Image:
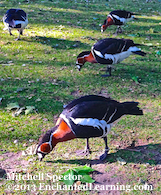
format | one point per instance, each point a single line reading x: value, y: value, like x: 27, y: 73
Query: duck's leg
x: 103, y: 156
x: 18, y: 38
x: 9, y: 31
x: 86, y: 151
x: 119, y: 29
x: 107, y: 70
x: 21, y: 32
x: 87, y: 148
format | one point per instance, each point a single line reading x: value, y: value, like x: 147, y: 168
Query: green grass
x: 42, y: 64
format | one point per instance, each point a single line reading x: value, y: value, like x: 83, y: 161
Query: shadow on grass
x: 58, y: 43
x: 52, y: 90
x: 150, y: 154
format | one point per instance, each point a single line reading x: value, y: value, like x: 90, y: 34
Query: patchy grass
x: 39, y: 70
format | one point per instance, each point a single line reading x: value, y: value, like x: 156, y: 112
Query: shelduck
x: 118, y: 18
x: 109, y: 51
x: 86, y: 117
x: 15, y: 19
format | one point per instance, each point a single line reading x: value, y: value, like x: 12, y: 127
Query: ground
x: 112, y: 172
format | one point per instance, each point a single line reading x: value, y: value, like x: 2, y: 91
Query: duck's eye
x: 45, y: 148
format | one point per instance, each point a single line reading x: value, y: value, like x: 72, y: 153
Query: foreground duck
x: 15, y: 19
x: 109, y: 51
x: 118, y: 18
x: 86, y: 117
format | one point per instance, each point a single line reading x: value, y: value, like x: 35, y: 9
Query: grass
x: 39, y: 70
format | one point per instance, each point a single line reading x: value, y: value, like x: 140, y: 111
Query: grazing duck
x: 86, y: 117
x: 118, y: 18
x: 15, y: 19
x: 109, y: 51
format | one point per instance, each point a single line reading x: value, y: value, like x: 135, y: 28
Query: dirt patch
x: 12, y: 162
x: 109, y: 176
x: 108, y: 179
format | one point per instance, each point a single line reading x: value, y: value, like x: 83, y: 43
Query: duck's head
x: 46, y: 144
x: 81, y: 59
x: 106, y: 23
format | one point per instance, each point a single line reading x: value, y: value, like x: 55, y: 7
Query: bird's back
x: 15, y: 14
x: 92, y: 116
x: 122, y: 13
x: 112, y: 51
x: 110, y: 45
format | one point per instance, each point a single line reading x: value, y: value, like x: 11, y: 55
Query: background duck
x: 118, y: 18
x: 15, y: 19
x: 109, y: 51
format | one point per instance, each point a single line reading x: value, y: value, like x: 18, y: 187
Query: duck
x: 118, y: 18
x: 87, y: 117
x: 15, y: 19
x: 109, y: 51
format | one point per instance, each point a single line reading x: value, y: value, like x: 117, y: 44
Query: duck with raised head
x: 118, y: 18
x: 86, y: 117
x: 109, y: 51
x: 15, y: 19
